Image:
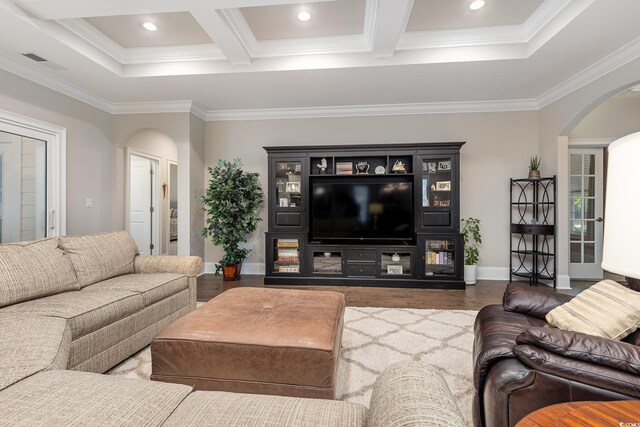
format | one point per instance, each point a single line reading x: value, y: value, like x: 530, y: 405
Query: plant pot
x: 231, y: 272
x: 534, y: 174
x: 470, y: 274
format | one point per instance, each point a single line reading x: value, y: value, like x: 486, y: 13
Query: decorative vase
x: 534, y: 174
x: 362, y: 168
x: 231, y: 272
x: 470, y: 274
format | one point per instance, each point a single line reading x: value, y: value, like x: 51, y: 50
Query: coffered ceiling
x: 249, y: 55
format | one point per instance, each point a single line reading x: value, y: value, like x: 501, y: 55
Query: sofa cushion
x: 152, y: 287
x: 64, y: 398
x: 32, y: 270
x: 30, y: 344
x: 100, y: 256
x: 236, y: 409
x: 84, y: 311
x: 495, y: 333
x: 607, y: 309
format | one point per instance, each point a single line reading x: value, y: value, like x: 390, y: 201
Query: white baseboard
x: 493, y: 273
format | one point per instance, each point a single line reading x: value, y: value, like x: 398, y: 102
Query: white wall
x: 498, y: 147
x: 614, y: 118
x: 91, y: 157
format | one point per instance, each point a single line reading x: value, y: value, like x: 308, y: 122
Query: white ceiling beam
x: 390, y: 21
x: 66, y: 9
x: 214, y: 23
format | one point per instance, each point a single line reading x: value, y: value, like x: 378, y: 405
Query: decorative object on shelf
x: 534, y: 167
x: 623, y: 175
x: 362, y: 168
x: 284, y: 202
x: 433, y: 187
x: 298, y: 168
x: 431, y: 166
x: 228, y: 225
x: 344, y: 168
x: 443, y: 185
x: 322, y: 165
x: 395, y: 258
x: 444, y: 203
x: 394, y: 269
x: 380, y: 170
x: 399, y: 167
x: 327, y: 254
x: 293, y: 187
x: 444, y: 165
x: 472, y: 238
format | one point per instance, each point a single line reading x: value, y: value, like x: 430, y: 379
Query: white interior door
x: 586, y: 196
x: 143, y: 222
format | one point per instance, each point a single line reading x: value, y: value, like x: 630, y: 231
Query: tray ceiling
x: 248, y: 54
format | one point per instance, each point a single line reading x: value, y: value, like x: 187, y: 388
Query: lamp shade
x: 621, y: 250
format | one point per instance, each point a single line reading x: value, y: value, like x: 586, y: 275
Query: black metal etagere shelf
x: 532, y: 213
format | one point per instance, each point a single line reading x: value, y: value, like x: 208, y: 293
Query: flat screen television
x: 362, y: 208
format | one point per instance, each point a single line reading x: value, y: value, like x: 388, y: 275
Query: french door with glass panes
x: 586, y: 200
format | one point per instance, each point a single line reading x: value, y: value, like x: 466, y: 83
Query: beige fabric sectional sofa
x: 113, y: 300
x: 85, y: 303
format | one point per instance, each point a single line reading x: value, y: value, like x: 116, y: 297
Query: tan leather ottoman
x: 255, y: 340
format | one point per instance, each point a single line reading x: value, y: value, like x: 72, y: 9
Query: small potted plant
x: 231, y: 204
x: 534, y: 167
x: 472, y: 238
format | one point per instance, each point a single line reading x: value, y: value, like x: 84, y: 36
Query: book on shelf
x: 288, y: 258
x: 288, y: 252
x: 439, y: 258
x: 287, y: 243
x: 288, y: 269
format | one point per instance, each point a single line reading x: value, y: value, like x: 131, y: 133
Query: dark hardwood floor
x: 472, y: 298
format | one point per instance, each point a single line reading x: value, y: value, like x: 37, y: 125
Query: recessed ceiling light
x: 476, y: 4
x: 149, y: 26
x: 304, y: 16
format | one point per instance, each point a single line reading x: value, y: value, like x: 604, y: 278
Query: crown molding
x: 374, y: 110
x: 610, y: 63
x: 54, y: 83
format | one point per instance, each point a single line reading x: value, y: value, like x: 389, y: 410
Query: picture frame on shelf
x: 394, y: 269
x: 432, y: 167
x: 443, y: 186
x: 293, y: 187
x: 444, y: 165
x: 344, y: 168
x: 283, y: 202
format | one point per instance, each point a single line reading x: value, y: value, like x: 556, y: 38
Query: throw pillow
x: 607, y: 309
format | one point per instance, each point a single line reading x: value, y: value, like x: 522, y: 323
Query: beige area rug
x: 374, y: 338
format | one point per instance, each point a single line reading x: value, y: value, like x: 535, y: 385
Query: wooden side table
x: 623, y: 413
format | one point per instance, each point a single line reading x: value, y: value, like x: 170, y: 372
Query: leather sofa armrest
x: 535, y: 302
x: 412, y: 393
x: 190, y: 266
x: 589, y: 348
x: 599, y: 376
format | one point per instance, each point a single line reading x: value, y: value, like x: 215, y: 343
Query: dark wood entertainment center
x: 403, y: 230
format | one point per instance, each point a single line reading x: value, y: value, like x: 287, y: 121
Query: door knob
x: 599, y: 219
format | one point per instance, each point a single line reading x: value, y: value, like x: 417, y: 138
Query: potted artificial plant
x: 231, y: 205
x: 472, y: 237
x: 534, y: 167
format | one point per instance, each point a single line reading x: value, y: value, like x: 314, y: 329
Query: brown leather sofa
x: 522, y: 364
